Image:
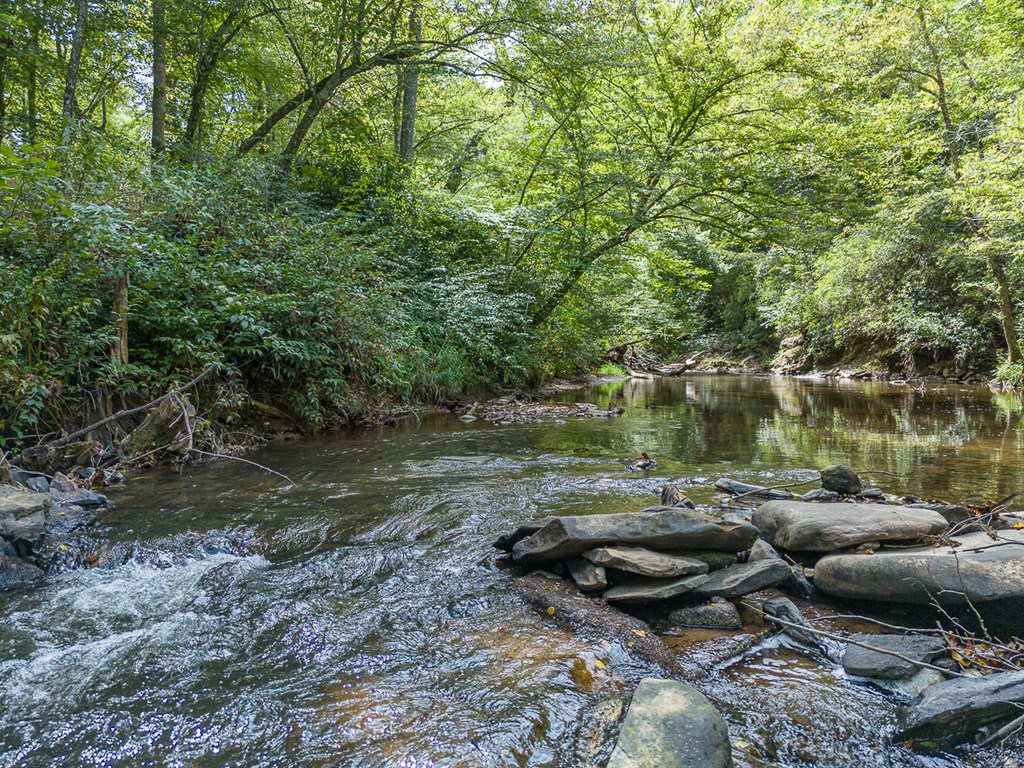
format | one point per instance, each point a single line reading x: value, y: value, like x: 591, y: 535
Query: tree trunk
x: 69, y: 106
x: 456, y: 174
x: 205, y: 68
x: 1006, y: 310
x: 119, y: 317
x: 159, y: 135
x: 340, y: 76
x: 410, y: 93
x: 33, y: 88
x: 5, y: 46
x: 315, y: 107
x: 583, y: 263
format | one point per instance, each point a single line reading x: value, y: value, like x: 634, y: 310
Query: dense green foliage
x: 344, y: 201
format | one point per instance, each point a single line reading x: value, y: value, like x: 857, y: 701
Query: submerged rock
x: 671, y: 725
x: 645, y: 562
x: 863, y: 662
x: 954, y: 711
x: 17, y: 574
x: 980, y: 569
x: 840, y: 479
x: 744, y: 578
x: 658, y: 528
x: 646, y: 590
x: 719, y: 613
x: 802, y: 526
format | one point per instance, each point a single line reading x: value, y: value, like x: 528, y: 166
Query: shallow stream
x: 358, y: 618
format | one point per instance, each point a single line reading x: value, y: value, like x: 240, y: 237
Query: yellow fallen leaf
x: 551, y: 611
x: 600, y: 664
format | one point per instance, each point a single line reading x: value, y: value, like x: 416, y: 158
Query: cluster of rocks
x: 688, y: 563
x: 36, y: 515
x: 522, y: 409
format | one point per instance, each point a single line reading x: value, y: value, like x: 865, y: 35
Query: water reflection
x: 364, y: 623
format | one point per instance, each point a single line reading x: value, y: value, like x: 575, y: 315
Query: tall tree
x: 158, y: 139
x: 69, y: 106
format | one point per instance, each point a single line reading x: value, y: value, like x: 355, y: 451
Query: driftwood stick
x: 841, y: 639
x: 1003, y: 732
x: 775, y: 488
x: 129, y: 412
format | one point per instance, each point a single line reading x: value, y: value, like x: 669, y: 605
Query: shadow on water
x: 358, y: 619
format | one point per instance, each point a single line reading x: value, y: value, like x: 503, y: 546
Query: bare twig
x: 841, y: 639
x: 244, y: 461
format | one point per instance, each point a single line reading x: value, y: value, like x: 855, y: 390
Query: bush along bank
x: 302, y: 315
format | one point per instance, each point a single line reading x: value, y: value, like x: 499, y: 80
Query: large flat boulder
x: 744, y: 578
x: 865, y: 662
x: 953, y: 711
x: 22, y: 514
x: 643, y: 589
x: 660, y: 528
x: 980, y: 569
x: 807, y: 527
x: 671, y: 725
x: 645, y: 562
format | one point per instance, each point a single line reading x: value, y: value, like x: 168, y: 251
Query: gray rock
x: 866, y: 663
x: 645, y: 562
x: 783, y: 608
x: 736, y: 487
x: 63, y: 490
x: 953, y: 513
x: 660, y: 528
x: 798, y: 584
x: 672, y: 496
x: 509, y: 540
x: 800, y: 526
x: 467, y: 417
x: 7, y: 549
x: 22, y: 514
x: 719, y: 613
x: 954, y: 711
x: 671, y: 725
x: 744, y: 578
x: 820, y: 494
x: 38, y: 484
x: 714, y: 560
x: 646, y: 590
x: 975, y: 569
x: 841, y: 479
x: 872, y: 493
x: 63, y: 519
x: 16, y: 574
x: 588, y: 577
x: 762, y: 550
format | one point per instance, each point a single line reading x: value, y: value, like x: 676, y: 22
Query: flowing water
x: 358, y: 618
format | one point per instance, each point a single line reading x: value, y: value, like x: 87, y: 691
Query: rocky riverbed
x: 679, y: 566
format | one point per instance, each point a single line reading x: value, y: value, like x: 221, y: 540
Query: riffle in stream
x: 359, y: 618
